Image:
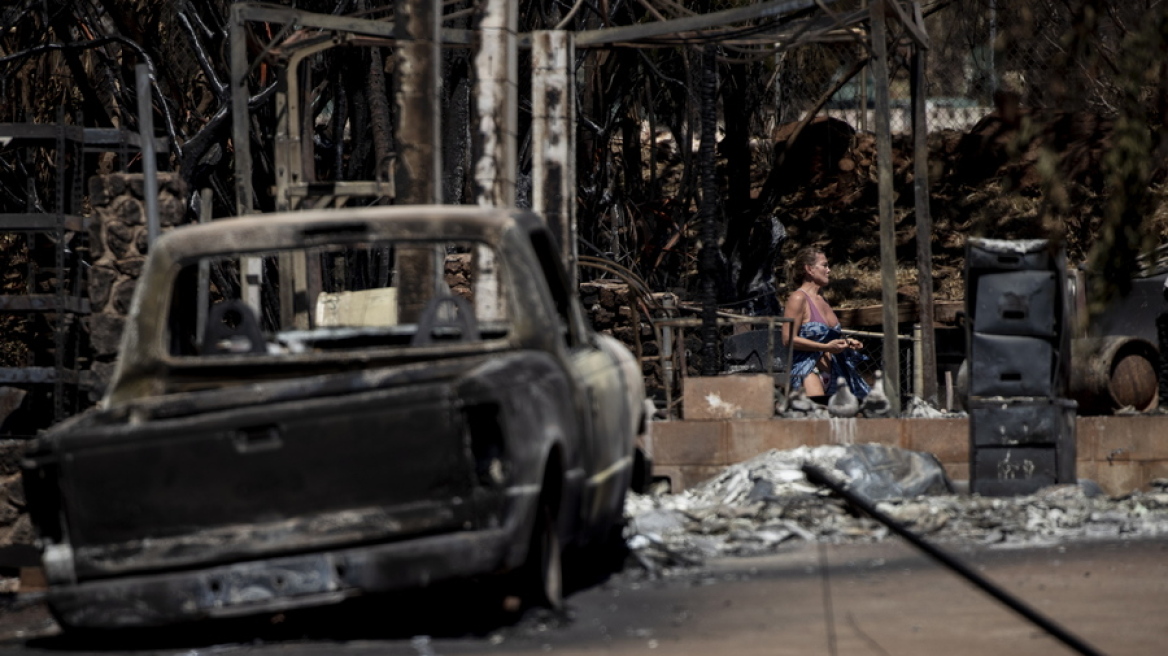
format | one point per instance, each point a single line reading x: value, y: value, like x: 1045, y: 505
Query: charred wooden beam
x: 419, y: 168
x: 553, y: 131
x: 496, y: 115
x: 891, y: 357
x: 924, y: 217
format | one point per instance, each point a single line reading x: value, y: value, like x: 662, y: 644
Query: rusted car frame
x: 260, y: 466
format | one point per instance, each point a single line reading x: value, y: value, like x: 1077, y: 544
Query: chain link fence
x: 982, y: 53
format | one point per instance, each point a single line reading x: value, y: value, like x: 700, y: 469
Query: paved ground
x: 877, y: 599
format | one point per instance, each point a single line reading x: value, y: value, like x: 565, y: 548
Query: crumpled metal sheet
x: 756, y: 506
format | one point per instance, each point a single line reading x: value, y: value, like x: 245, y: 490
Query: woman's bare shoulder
x: 795, y: 305
x: 797, y: 299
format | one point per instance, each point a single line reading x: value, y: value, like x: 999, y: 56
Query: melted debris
x: 756, y: 506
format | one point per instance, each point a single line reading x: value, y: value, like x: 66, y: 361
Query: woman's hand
x: 837, y: 346
x: 854, y: 343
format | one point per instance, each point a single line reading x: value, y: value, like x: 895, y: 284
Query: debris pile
x: 875, y: 405
x: 753, y: 507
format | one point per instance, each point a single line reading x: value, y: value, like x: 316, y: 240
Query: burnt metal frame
x: 68, y: 299
x: 668, y: 329
x: 288, y: 48
x: 293, y: 43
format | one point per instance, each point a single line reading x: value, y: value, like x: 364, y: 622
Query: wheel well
x: 551, y: 490
x: 642, y: 472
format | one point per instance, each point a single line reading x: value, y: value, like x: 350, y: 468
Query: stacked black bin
x: 1022, y: 426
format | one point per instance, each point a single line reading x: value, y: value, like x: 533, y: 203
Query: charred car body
x: 316, y: 405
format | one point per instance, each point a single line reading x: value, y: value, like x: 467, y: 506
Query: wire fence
x: 983, y: 53
x: 873, y: 352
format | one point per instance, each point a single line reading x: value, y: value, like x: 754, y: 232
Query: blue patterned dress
x: 842, y: 364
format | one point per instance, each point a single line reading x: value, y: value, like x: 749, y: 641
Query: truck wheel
x: 542, y: 578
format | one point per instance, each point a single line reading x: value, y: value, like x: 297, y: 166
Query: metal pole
x: 918, y: 371
x: 709, y: 211
x: 240, y: 114
x: 818, y: 477
x: 887, y: 217
x: 204, y: 290
x: 927, y: 362
x: 149, y: 159
x: 252, y: 277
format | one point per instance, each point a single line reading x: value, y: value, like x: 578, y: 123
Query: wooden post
x: 419, y: 169
x: 240, y: 114
x: 553, y: 130
x: 928, y: 359
x: 887, y: 217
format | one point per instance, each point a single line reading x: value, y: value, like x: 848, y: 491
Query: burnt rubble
x: 760, y: 505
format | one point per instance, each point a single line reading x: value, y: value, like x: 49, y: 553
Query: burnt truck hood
x: 264, y: 469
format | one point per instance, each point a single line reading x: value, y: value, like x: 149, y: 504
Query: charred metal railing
x: 674, y: 360
x: 68, y: 299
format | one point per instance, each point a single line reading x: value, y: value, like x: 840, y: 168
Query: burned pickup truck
x: 323, y: 404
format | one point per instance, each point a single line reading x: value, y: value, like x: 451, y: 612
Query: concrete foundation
x: 1122, y: 454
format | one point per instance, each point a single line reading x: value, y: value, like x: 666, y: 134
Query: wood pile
x: 987, y: 181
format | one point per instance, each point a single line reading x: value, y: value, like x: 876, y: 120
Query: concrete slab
x: 1128, y: 438
x: 1121, y: 453
x: 741, y: 396
x: 948, y: 439
x: 699, y: 443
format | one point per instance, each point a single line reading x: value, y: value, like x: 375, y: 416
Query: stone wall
x: 117, y: 246
x: 609, y: 305
x: 16, y: 533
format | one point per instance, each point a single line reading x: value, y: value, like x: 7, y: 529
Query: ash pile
x: 766, y: 503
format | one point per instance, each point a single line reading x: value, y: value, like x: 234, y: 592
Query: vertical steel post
x: 203, y: 292
x: 149, y: 159
x: 240, y: 116
x: 252, y: 274
x: 61, y: 319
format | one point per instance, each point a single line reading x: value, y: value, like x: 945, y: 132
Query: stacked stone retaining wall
x: 118, y: 243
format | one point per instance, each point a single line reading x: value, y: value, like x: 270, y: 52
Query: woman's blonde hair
x: 805, y: 257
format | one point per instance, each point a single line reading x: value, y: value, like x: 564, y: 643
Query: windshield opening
x: 336, y: 297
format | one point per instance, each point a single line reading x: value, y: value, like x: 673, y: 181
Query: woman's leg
x: 813, y: 384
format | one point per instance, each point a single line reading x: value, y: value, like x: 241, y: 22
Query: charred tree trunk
x: 418, y: 171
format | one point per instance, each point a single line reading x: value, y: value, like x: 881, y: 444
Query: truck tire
x: 542, y: 576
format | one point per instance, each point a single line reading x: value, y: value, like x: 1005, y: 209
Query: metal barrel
x: 1114, y: 372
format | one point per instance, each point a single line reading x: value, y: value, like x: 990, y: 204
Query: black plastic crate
x: 1011, y: 471
x: 1008, y: 255
x: 1017, y: 303
x: 1009, y: 365
x: 1021, y: 422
